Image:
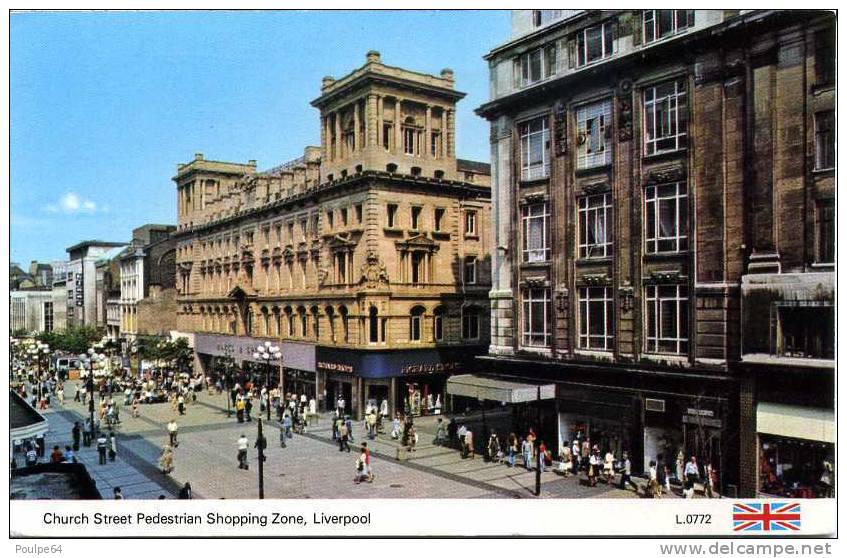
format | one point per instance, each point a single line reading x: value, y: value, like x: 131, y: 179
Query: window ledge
x: 662, y: 256
x: 393, y: 230
x: 534, y: 181
x: 441, y: 235
x: 776, y: 360
x: 472, y: 236
x: 543, y: 351
x: 535, y: 265
x: 598, y: 354
x: 824, y: 266
x: 666, y: 358
x: 605, y: 167
x: 819, y: 88
x: 590, y: 261
x: 823, y: 172
x: 664, y: 155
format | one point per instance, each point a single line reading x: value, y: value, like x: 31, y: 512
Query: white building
x: 31, y: 311
x: 82, y: 279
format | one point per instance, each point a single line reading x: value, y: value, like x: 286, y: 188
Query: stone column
x: 357, y: 140
x: 427, y: 151
x: 338, y: 141
x: 380, y: 118
x: 398, y: 128
x: 324, y: 133
x: 371, y: 121
x: 450, y: 134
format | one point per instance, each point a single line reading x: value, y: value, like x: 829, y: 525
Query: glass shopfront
x: 796, y: 468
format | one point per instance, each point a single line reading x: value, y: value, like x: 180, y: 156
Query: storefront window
x: 796, y: 468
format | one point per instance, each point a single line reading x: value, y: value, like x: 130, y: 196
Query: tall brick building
x: 366, y: 260
x: 663, y: 197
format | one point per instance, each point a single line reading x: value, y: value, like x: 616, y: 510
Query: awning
x: 793, y: 421
x: 481, y: 388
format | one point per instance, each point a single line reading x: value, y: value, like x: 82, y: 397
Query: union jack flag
x: 776, y: 516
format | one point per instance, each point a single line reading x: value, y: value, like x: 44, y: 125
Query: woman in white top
x: 609, y: 467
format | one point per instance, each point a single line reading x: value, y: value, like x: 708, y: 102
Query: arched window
x: 373, y: 325
x: 266, y: 322
x: 330, y: 317
x: 470, y: 323
x: 345, y: 324
x: 290, y: 318
x: 438, y: 324
x: 316, y: 323
x: 304, y: 322
x: 416, y: 323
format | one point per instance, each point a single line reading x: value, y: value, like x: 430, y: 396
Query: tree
x: 74, y: 340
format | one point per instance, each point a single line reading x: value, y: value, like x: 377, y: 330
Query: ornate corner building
x: 367, y: 260
x: 663, y: 201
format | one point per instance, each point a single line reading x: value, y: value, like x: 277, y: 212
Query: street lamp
x: 267, y: 353
x: 90, y: 358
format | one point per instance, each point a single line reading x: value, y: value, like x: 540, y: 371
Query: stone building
x: 662, y: 189
x: 31, y: 310
x: 149, y: 262
x: 366, y: 260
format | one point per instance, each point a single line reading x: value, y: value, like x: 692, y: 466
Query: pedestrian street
x: 310, y: 466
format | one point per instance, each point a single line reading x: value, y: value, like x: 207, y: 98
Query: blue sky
x: 104, y: 105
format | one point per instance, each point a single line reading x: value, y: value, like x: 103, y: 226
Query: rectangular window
x: 291, y: 232
x: 535, y: 244
x: 304, y: 325
x: 470, y: 323
x: 438, y: 218
x: 595, y: 43
x: 330, y: 218
x: 358, y: 213
x: 535, y: 149
x: 303, y: 229
x: 826, y: 231
x: 595, y: 221
x: 825, y: 57
x: 386, y: 136
x: 470, y: 270
x: 470, y: 222
x: 536, y: 318
x: 666, y: 316
x: 596, y: 318
x: 438, y: 325
x: 392, y: 215
x: 408, y: 141
x: 537, y: 65
x: 659, y: 24
x: 416, y: 217
x: 594, y: 128
x: 806, y: 331
x: 48, y: 316
x: 825, y: 140
x: 343, y: 216
x: 666, y: 219
x: 417, y: 262
x: 435, y: 145
x: 665, y: 117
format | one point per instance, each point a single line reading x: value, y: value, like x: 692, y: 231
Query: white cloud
x: 71, y: 203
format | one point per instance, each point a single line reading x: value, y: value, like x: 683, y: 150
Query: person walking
x: 135, y: 407
x: 412, y: 438
x: 565, y: 459
x: 343, y: 440
x: 76, y: 431
x: 348, y: 422
x: 239, y: 409
x: 61, y: 395
x: 173, y: 430
x: 261, y: 444
x: 708, y: 481
x: 440, y: 432
x: 113, y: 446
x: 248, y: 407
x: 77, y: 394
x: 371, y: 420
x: 243, y: 444
x: 512, y: 449
x: 395, y: 427
x: 594, y: 462
x: 166, y: 460
x: 180, y: 403
x: 185, y: 492
x: 692, y: 475
x: 493, y: 447
x: 542, y: 455
x: 526, y: 452
x: 469, y: 444
x: 117, y: 493
x: 654, y: 488
x: 286, y: 425
x: 282, y: 437
x: 609, y: 467
x: 361, y: 466
x: 626, y: 473
x: 102, y: 445
x: 31, y: 456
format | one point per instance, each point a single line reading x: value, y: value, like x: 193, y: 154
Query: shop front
x: 408, y: 381
x: 677, y: 428
x: 607, y: 420
x: 796, y: 450
x: 232, y: 356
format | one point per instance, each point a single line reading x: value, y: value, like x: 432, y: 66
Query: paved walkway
x: 309, y: 467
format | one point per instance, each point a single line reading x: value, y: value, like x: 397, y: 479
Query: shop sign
x: 702, y: 421
x: 335, y: 367
x: 430, y: 368
x: 700, y: 412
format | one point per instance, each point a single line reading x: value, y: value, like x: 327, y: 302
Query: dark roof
x: 21, y: 413
x: 473, y: 166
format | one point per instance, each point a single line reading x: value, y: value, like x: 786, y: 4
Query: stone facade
x: 358, y: 245
x: 643, y: 162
